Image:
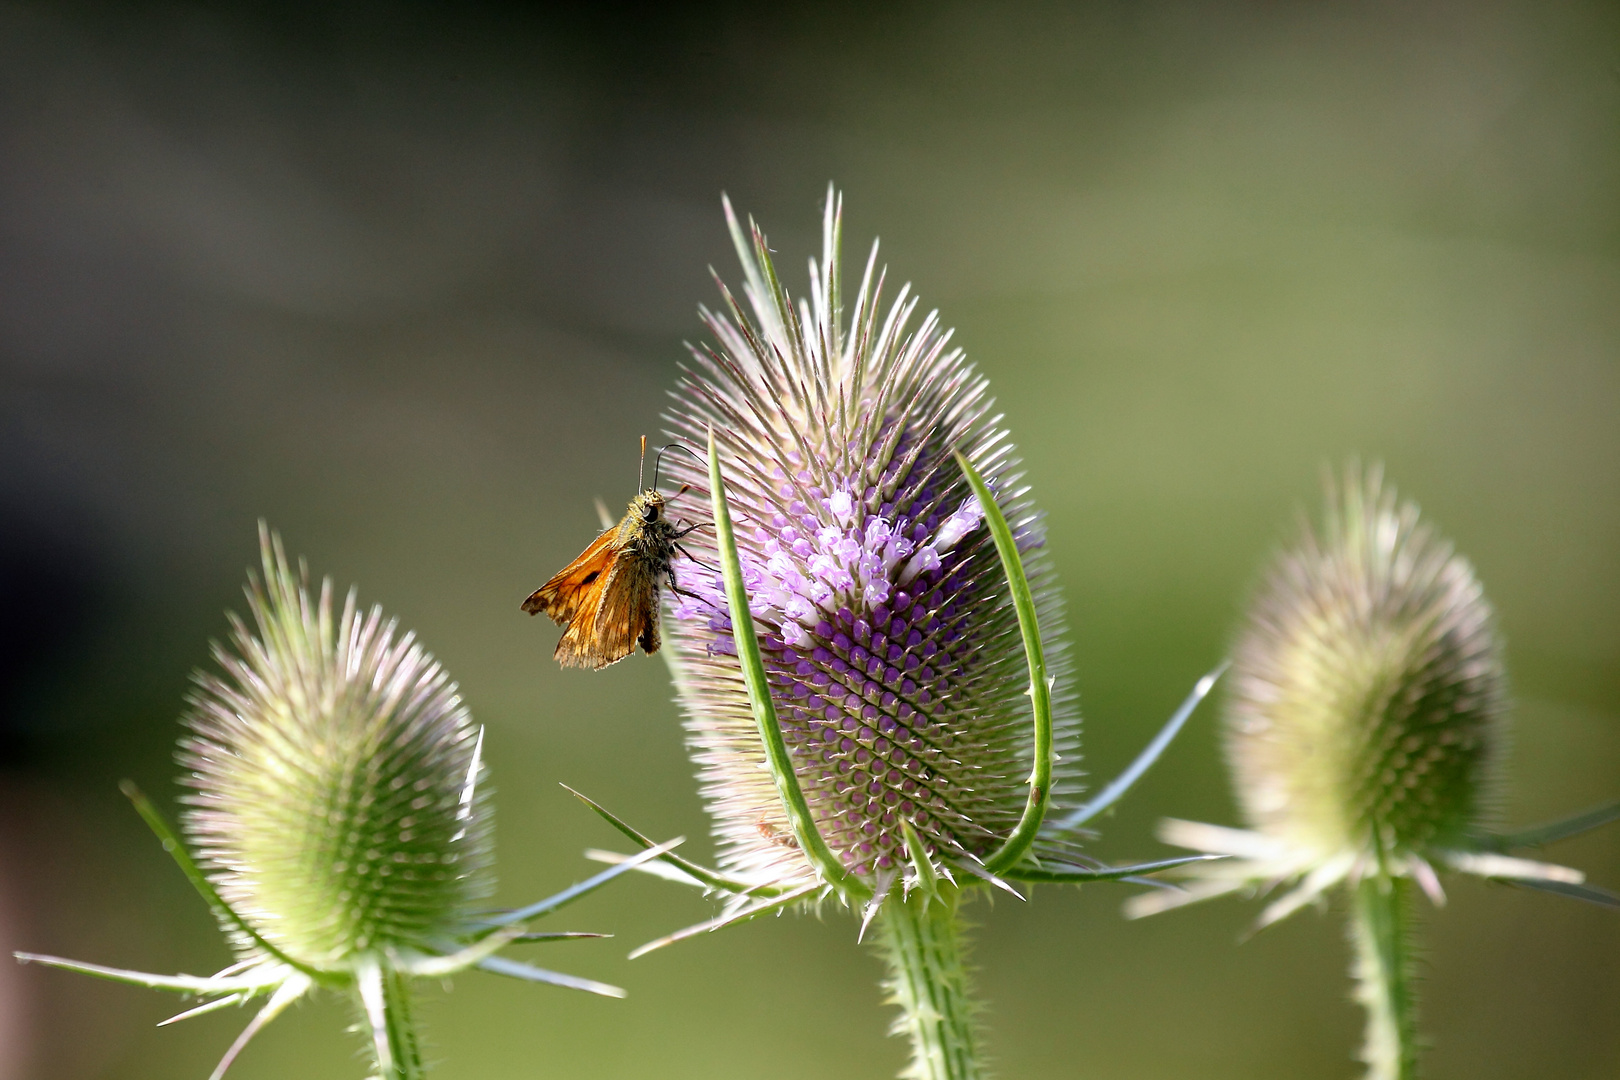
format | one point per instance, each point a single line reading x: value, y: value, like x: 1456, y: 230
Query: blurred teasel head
x: 1365, y: 714
x: 890, y: 644
x: 334, y: 772
x: 1364, y: 730
x: 1366, y: 697
x: 337, y: 821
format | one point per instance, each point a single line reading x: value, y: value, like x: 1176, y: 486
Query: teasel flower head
x: 334, y: 772
x: 338, y: 823
x: 865, y: 637
x: 1364, y: 730
x: 1366, y: 699
x: 1365, y: 719
x: 889, y: 639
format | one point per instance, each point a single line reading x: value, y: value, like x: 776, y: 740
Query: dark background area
x: 409, y: 281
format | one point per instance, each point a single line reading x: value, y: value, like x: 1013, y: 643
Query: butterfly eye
x: 649, y: 513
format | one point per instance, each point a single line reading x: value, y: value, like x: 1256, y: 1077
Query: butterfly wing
x: 630, y: 608
x: 578, y: 585
x: 621, y: 611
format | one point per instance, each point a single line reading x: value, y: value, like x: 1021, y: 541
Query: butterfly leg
x: 677, y: 590
x: 689, y: 555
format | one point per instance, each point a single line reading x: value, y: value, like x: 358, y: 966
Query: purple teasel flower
x: 889, y: 638
x: 894, y: 732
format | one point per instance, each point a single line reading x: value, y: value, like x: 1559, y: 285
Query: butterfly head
x: 648, y: 507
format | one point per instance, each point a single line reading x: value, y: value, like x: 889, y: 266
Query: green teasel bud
x: 1367, y: 693
x: 338, y: 823
x: 1365, y: 730
x: 336, y: 805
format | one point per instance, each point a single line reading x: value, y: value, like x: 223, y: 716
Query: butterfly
x: 608, y: 597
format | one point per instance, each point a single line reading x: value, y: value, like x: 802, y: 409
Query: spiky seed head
x: 891, y: 646
x: 1367, y: 685
x: 335, y: 801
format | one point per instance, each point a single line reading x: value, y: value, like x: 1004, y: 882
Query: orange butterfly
x: 608, y: 597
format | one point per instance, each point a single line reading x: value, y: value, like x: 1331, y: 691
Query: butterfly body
x: 608, y: 597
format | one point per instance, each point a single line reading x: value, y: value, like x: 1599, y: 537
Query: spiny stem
x: 1385, y: 982
x: 396, y: 1051
x: 921, y: 941
x: 401, y: 1027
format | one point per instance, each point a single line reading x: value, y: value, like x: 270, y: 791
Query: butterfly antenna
x: 658, y: 463
x: 641, y: 469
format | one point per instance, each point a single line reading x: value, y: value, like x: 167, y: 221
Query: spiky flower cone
x: 338, y: 826
x: 334, y: 770
x: 1364, y: 732
x: 1367, y: 688
x: 891, y: 646
x: 867, y: 644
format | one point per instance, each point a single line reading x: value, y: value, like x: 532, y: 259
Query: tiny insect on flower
x: 608, y: 598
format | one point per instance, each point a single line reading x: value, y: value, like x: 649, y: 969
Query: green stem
x: 921, y: 941
x: 1385, y: 983
x: 385, y: 997
x: 402, y: 1040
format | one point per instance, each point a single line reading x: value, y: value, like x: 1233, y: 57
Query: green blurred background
x: 408, y: 282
